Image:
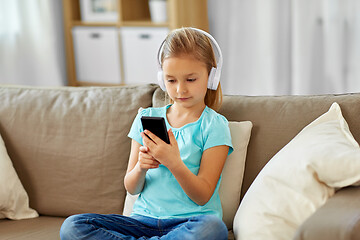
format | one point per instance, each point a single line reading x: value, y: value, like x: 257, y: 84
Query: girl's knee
x: 215, y: 227
x: 212, y: 227
x: 69, y: 228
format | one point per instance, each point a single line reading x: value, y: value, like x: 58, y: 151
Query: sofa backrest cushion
x: 277, y: 120
x: 69, y: 146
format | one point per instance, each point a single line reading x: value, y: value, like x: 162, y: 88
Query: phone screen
x: 157, y: 126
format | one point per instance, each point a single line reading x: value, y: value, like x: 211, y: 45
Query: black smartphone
x: 157, y: 126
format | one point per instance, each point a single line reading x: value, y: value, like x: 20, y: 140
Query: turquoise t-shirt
x: 162, y: 196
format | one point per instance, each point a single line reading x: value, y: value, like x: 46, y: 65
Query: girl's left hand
x: 166, y: 154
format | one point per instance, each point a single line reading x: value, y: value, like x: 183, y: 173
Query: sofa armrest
x: 337, y: 219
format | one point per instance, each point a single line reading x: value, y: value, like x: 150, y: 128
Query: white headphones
x: 214, y: 76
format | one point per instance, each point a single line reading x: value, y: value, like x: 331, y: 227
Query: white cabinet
x: 97, y: 54
x: 139, y: 47
x: 98, y: 50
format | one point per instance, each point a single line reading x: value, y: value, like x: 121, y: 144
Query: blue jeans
x: 113, y: 226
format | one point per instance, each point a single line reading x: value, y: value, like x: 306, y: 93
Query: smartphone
x: 157, y: 126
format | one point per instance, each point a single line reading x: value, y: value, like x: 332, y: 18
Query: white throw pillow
x: 232, y: 176
x: 233, y: 172
x: 14, y: 201
x: 299, y: 179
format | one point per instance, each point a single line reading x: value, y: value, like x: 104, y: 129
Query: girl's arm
x: 139, y: 162
x: 200, y: 187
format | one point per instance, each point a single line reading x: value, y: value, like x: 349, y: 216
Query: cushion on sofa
x: 14, y: 201
x: 70, y: 145
x: 233, y: 172
x: 299, y: 179
x: 232, y: 175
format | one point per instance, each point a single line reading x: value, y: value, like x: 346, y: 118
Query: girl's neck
x: 178, y: 116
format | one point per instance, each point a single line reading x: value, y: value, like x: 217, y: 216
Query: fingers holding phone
x: 146, y: 161
x: 166, y: 154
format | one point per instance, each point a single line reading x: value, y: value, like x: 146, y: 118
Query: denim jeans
x: 113, y: 226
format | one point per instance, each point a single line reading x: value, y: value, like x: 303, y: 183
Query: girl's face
x: 186, y: 80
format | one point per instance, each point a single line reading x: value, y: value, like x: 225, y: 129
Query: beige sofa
x: 69, y: 147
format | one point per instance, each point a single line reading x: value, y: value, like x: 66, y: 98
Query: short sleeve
x: 217, y: 133
x: 136, y: 127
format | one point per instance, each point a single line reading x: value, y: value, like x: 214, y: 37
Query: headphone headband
x: 214, y: 76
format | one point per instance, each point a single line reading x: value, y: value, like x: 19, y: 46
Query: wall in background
x: 32, y: 43
x: 279, y: 47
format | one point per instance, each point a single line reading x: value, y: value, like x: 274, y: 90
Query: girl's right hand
x: 146, y: 161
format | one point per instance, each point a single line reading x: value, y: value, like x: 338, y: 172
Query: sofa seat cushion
x: 41, y: 228
x: 69, y: 145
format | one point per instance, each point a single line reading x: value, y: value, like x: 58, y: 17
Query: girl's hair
x: 189, y: 41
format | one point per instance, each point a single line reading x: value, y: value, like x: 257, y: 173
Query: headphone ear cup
x: 212, y: 82
x: 161, y: 82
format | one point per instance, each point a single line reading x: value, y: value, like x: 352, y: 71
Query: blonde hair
x: 190, y: 41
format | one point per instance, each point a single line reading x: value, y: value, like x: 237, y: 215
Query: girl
x: 178, y: 182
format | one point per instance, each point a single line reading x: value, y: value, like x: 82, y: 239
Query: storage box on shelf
x: 97, y: 54
x: 111, y: 53
x: 139, y: 50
